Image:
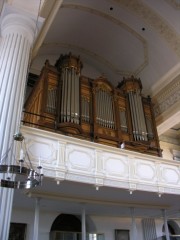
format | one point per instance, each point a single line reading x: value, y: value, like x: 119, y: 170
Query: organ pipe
x: 137, y: 115
x: 123, y: 120
x: 93, y: 108
x: 70, y: 68
x: 104, y: 109
x: 85, y: 109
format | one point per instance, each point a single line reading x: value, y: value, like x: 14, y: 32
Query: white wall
x: 96, y: 224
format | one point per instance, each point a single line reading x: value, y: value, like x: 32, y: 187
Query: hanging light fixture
x: 21, y: 174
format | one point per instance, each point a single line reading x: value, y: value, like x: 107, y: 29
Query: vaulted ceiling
x: 117, y: 38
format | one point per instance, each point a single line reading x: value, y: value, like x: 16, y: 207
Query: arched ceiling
x: 116, y: 38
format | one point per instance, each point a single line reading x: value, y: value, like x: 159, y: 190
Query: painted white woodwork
x: 67, y: 158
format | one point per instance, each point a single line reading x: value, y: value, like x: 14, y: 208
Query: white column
x: 166, y: 225
x: 17, y: 37
x: 83, y: 224
x: 36, y: 220
x: 133, y: 233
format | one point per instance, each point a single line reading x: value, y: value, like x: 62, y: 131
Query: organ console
x: 66, y: 102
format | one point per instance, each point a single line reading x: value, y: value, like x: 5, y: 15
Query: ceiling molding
x: 165, y: 80
x: 120, y: 24
x: 92, y: 55
x: 167, y: 97
x: 167, y: 122
x: 154, y: 20
x: 72, y: 198
x: 174, y: 3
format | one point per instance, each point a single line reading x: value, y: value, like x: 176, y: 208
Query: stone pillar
x: 83, y: 224
x: 18, y: 33
x: 36, y: 220
x: 133, y: 232
x: 165, y: 224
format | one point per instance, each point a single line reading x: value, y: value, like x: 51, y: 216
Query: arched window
x: 66, y: 227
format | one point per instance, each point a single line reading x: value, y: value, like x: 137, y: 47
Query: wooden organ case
x: 64, y: 101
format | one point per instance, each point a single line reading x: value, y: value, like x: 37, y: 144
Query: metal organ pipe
x: 112, y: 111
x: 70, y: 68
x: 123, y: 119
x: 68, y: 105
x: 99, y: 111
x: 135, y: 109
x: 64, y: 94
x: 108, y: 110
x: 97, y: 106
x: 85, y: 107
x: 144, y: 129
x: 62, y: 100
x: 104, y: 109
x: 76, y: 89
x: 133, y: 117
x: 137, y: 115
x: 73, y: 99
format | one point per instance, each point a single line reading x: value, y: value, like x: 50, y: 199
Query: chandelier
x: 20, y: 174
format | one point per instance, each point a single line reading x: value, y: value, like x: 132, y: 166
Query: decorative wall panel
x: 100, y: 165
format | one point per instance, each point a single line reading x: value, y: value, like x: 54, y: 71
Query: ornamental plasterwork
x: 167, y: 97
x: 154, y: 20
x: 174, y: 3
x: 160, y: 172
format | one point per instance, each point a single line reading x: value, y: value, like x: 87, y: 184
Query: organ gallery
x: 68, y: 103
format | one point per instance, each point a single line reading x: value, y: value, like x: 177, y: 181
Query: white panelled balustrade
x: 68, y: 158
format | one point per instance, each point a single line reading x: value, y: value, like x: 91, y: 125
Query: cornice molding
x: 174, y: 3
x: 70, y: 198
x: 167, y: 96
x: 165, y: 80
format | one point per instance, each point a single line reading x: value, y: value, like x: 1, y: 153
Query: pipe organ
x: 69, y: 68
x: 66, y: 102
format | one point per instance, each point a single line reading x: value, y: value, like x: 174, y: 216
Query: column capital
x: 15, y: 21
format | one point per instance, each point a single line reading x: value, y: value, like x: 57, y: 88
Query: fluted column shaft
x: 18, y: 33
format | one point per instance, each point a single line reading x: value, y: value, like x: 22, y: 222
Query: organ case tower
x: 66, y: 102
